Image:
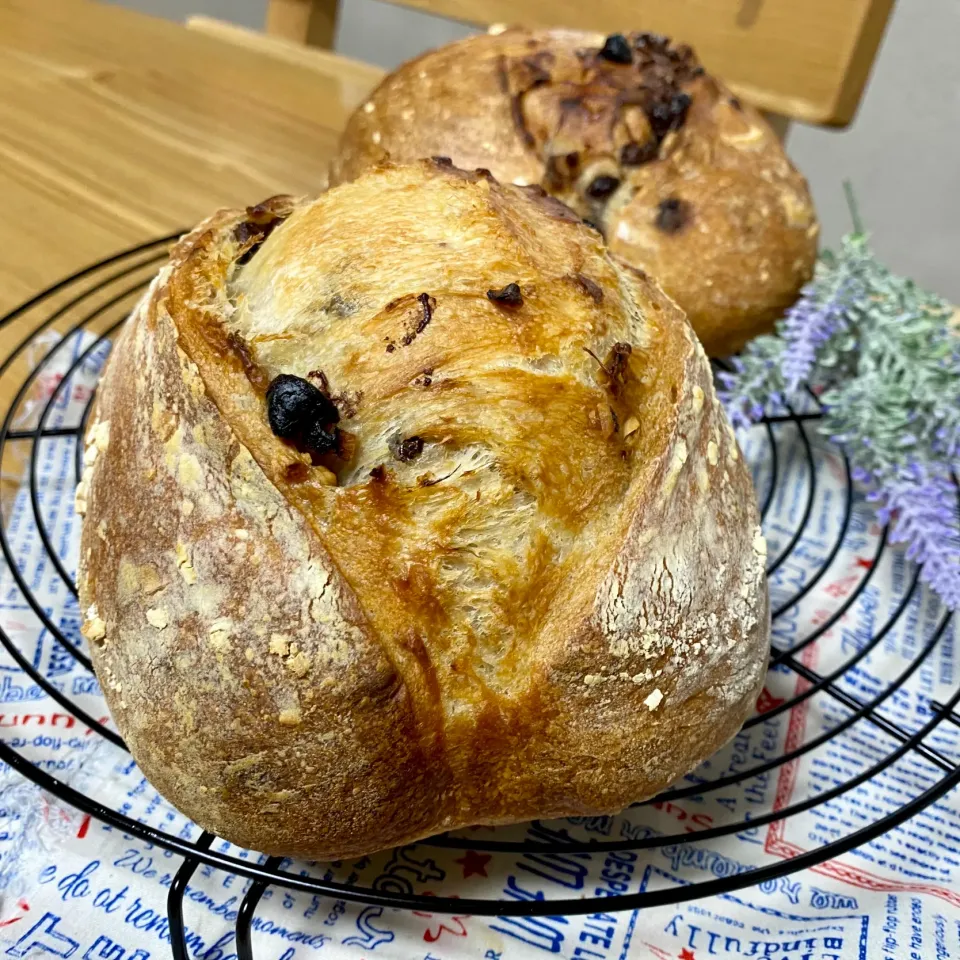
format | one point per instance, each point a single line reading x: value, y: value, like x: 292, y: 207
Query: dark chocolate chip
x: 593, y: 226
x: 637, y: 154
x: 601, y: 187
x: 442, y: 161
x: 299, y: 412
x: 616, y: 49
x: 735, y: 103
x: 321, y: 438
x: 660, y: 118
x: 697, y: 72
x: 295, y: 404
x: 409, y: 449
x: 672, y: 215
x: 509, y: 296
x: 667, y: 115
x: 378, y: 473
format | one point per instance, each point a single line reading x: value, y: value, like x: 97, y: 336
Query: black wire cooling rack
x: 94, y: 302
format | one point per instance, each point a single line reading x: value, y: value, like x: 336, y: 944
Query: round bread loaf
x: 501, y: 562
x: 684, y: 180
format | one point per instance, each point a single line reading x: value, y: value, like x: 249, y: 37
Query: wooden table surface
x: 116, y: 128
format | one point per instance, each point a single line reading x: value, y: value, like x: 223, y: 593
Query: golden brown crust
x: 552, y: 603
x: 703, y: 196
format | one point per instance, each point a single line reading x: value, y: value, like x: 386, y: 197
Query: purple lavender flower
x: 947, y: 441
x: 807, y: 326
x: 922, y: 507
x: 741, y: 409
x: 754, y: 385
x: 880, y: 355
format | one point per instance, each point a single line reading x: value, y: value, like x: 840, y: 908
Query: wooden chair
x: 795, y: 59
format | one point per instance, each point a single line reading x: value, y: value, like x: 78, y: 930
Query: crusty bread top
x: 703, y: 196
x: 552, y: 603
x: 491, y: 540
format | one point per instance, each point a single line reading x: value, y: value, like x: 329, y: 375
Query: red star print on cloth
x: 474, y: 863
x: 864, y: 562
x: 767, y: 701
x: 686, y: 954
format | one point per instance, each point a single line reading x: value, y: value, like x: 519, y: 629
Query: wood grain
x: 115, y: 128
x: 804, y: 59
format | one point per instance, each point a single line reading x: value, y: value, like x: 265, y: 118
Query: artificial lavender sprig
x: 921, y: 507
x: 817, y: 327
x: 815, y: 337
x: 756, y: 382
x: 905, y: 393
x: 807, y: 326
x: 884, y: 356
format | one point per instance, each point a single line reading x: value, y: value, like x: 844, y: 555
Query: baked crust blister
x: 529, y: 582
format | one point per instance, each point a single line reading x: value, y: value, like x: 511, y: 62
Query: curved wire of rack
x: 83, y: 309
